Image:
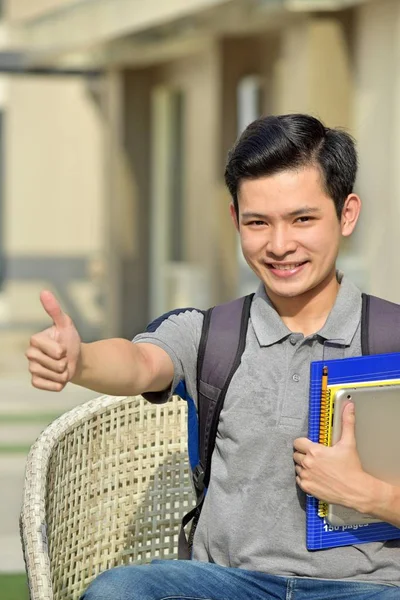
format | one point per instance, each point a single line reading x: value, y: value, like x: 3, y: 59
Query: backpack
x: 221, y: 346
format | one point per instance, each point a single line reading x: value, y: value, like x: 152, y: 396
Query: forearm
x: 113, y: 366
x: 381, y: 500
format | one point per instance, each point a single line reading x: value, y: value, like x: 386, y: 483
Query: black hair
x: 273, y: 144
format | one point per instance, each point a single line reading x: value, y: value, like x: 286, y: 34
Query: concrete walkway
x: 24, y: 413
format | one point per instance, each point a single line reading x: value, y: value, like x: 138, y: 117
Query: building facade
x: 116, y: 131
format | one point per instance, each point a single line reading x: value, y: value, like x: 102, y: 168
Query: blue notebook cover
x: 320, y: 534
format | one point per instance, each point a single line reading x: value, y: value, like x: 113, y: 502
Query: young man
x: 291, y: 181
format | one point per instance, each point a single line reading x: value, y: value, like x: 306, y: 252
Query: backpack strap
x: 222, y: 342
x: 380, y: 326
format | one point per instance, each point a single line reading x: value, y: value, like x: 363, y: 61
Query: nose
x: 281, y: 241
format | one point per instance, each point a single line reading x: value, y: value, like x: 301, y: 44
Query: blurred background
x: 115, y: 120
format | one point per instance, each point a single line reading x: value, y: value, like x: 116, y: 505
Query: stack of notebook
x: 372, y: 383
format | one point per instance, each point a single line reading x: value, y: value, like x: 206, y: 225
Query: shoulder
x: 193, y: 318
x: 377, y: 308
x: 380, y: 323
x: 177, y: 317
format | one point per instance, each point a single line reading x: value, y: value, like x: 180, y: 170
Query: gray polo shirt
x: 254, y: 513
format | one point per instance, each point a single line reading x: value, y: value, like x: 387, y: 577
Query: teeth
x: 286, y: 267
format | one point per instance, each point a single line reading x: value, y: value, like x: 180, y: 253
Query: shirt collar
x: 267, y: 324
x: 341, y: 324
x: 344, y: 318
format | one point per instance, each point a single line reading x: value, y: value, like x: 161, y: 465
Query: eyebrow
x: 305, y: 210
x: 252, y: 215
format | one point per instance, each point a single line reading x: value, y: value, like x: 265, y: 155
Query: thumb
x: 348, y: 424
x: 53, y: 309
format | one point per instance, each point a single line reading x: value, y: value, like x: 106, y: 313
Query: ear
x: 234, y: 216
x: 350, y: 213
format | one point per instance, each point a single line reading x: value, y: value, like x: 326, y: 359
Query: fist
x: 54, y: 354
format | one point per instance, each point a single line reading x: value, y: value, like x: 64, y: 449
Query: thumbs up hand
x: 54, y: 354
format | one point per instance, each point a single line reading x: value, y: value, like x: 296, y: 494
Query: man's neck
x: 308, y: 313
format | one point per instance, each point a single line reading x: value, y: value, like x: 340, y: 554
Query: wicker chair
x: 106, y: 484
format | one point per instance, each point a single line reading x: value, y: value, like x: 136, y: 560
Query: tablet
x: 377, y: 412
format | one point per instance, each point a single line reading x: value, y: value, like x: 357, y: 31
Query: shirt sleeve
x: 178, y: 333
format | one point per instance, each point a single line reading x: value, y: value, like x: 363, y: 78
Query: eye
x: 304, y: 219
x: 256, y: 223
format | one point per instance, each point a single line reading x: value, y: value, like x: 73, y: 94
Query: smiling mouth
x: 285, y: 267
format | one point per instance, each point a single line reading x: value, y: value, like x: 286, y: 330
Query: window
x: 248, y: 109
x: 167, y: 256
x: 176, y: 158
x: 248, y: 101
x: 2, y: 256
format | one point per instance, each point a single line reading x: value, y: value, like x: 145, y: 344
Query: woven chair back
x: 117, y: 487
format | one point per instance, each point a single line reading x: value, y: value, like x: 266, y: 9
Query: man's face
x: 289, y: 231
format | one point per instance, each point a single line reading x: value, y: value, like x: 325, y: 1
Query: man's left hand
x: 333, y: 474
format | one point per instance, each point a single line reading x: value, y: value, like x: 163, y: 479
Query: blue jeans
x: 192, y: 580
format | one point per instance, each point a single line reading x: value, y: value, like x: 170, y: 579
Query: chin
x: 288, y: 294
x: 291, y: 291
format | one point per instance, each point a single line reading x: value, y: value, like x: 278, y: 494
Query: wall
x: 24, y: 9
x: 241, y: 56
x: 377, y: 129
x: 135, y: 154
x: 197, y: 76
x: 314, y: 71
x: 53, y: 197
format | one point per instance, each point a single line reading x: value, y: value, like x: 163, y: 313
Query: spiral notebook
x: 373, y: 370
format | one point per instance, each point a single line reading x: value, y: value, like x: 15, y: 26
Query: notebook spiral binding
x: 324, y: 435
x: 325, y: 418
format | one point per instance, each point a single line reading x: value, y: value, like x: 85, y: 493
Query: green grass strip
x: 14, y: 449
x: 21, y: 418
x: 13, y: 586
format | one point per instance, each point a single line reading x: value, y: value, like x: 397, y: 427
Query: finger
x: 41, y: 372
x: 348, y: 424
x: 46, y: 345
x: 298, y: 469
x: 45, y: 384
x: 298, y: 457
x: 53, y: 309
x: 37, y: 356
x: 302, y: 444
